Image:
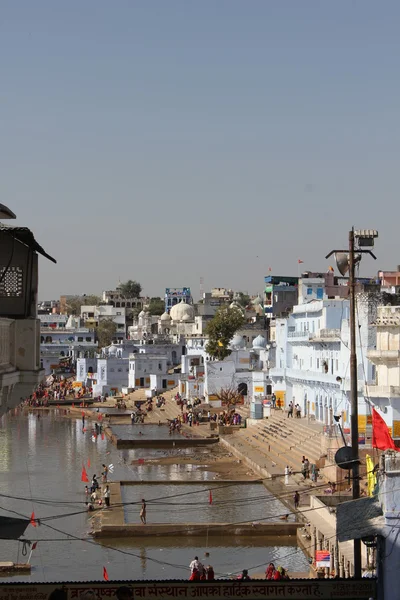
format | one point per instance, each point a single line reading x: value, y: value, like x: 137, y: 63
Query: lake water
x: 191, y: 503
x: 40, y: 471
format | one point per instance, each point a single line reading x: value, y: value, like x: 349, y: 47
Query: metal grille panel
x: 11, y: 282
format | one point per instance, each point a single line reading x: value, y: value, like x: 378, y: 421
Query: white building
x: 62, y: 337
x: 93, y: 315
x: 311, y: 363
x: 130, y: 365
x: 385, y: 391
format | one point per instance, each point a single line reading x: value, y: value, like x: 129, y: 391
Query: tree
x: 221, y: 329
x: 105, y: 332
x: 75, y: 302
x: 130, y: 289
x: 156, y: 306
x: 229, y: 396
x: 243, y: 299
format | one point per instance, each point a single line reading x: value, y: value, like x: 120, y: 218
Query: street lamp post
x: 346, y: 262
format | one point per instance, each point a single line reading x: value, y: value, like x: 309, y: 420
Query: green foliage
x: 221, y: 329
x: 105, y: 332
x: 74, y: 304
x: 156, y: 306
x: 130, y: 289
x: 243, y: 299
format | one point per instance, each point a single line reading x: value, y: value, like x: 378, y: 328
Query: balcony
x: 20, y: 370
x: 383, y: 356
x: 384, y: 391
x: 326, y: 335
x: 301, y: 336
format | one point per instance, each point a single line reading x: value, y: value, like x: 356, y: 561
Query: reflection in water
x: 42, y: 473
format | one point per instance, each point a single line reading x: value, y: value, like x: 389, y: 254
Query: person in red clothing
x: 210, y: 573
x: 195, y: 576
x: 270, y: 570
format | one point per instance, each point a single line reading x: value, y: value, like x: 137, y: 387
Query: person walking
x: 296, y: 499
x: 104, y: 474
x: 143, y: 512
x: 106, y: 496
x: 132, y: 418
x: 290, y: 409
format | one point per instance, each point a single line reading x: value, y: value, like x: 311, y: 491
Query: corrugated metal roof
x: 25, y: 236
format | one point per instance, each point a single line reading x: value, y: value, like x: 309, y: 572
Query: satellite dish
x: 344, y: 457
x: 342, y: 262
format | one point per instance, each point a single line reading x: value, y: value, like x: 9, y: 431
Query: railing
x: 301, y: 335
x: 384, y: 391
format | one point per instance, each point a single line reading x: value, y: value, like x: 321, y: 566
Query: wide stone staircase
x: 283, y: 442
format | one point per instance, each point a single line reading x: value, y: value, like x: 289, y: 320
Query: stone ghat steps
x: 290, y: 445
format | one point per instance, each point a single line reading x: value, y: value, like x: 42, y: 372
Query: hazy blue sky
x: 173, y: 139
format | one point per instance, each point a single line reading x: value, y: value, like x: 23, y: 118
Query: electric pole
x: 346, y: 262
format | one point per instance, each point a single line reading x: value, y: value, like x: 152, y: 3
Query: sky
x: 165, y: 141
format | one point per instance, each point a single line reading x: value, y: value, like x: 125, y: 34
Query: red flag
x: 210, y: 497
x: 33, y: 520
x: 381, y: 437
x: 105, y: 574
x: 84, y: 476
x: 88, y: 463
x: 34, y: 546
x: 300, y: 261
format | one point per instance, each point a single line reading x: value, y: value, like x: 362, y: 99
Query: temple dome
x: 237, y: 342
x: 181, y: 310
x: 259, y: 342
x: 165, y: 317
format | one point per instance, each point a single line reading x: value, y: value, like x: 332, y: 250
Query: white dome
x: 237, y: 341
x: 112, y: 351
x: 165, y: 317
x: 181, y: 310
x: 259, y: 342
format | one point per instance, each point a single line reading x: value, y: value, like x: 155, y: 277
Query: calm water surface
x: 40, y: 470
x: 136, y: 432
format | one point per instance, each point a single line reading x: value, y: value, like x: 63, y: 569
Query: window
x: 337, y: 365
x: 80, y: 339
x: 159, y: 366
x: 119, y: 370
x: 317, y: 363
x: 88, y: 339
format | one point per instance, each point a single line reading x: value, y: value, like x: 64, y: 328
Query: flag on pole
x: 34, y: 546
x: 210, y: 497
x: 33, y: 520
x: 381, y: 437
x: 84, y: 476
x: 300, y: 262
x: 105, y: 574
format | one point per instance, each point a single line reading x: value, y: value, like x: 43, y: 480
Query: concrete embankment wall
x: 198, y: 530
x: 182, y: 442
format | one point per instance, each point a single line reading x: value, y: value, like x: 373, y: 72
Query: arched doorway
x: 242, y: 388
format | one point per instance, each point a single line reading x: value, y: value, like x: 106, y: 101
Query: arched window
x: 49, y: 339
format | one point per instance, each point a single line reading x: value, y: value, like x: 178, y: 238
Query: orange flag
x: 33, y: 520
x: 210, y: 497
x: 105, y: 574
x: 84, y: 476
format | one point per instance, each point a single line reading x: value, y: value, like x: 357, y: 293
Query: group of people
x: 175, y: 425
x: 294, y: 408
x: 275, y: 574
x: 198, y: 572
x: 95, y: 496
